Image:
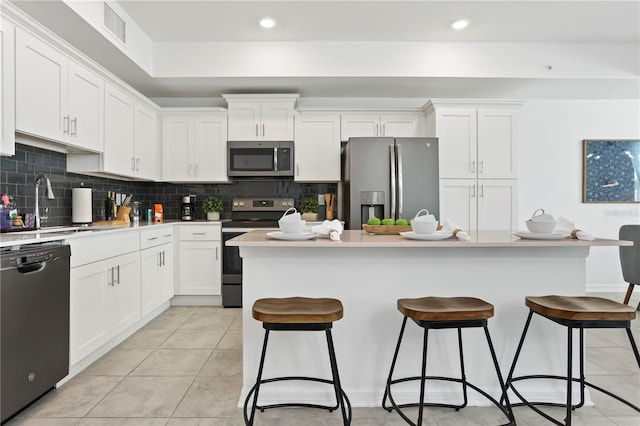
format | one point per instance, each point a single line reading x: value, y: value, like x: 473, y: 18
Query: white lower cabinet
x: 479, y: 204
x: 105, y: 300
x: 157, y: 270
x: 199, y: 255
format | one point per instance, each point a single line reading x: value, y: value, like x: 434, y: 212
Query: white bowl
x: 424, y: 227
x: 541, y: 226
x: 292, y: 226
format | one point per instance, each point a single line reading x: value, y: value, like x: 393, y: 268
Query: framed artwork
x: 611, y: 171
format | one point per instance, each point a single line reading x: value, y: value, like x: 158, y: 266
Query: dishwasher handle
x: 32, y: 268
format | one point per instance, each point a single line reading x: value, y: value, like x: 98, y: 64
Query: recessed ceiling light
x: 460, y: 24
x: 267, y: 22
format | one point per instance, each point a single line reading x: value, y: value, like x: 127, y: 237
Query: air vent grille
x: 114, y: 23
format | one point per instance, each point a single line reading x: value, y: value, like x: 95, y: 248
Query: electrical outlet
x: 321, y: 199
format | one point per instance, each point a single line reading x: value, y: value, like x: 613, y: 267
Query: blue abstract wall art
x: 611, y: 171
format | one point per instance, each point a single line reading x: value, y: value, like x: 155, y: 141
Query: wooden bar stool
x: 576, y: 312
x: 444, y: 313
x: 299, y: 314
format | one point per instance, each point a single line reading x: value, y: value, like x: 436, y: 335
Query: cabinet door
x: 210, y: 149
x: 89, y: 312
x: 456, y: 131
x: 147, y: 146
x: 178, y: 137
x: 119, y: 153
x: 317, y: 147
x: 41, y: 88
x: 497, y: 143
x: 360, y: 125
x: 497, y: 204
x: 166, y: 273
x: 124, y: 297
x: 399, y: 125
x: 86, y: 108
x: 200, y: 272
x: 7, y: 89
x: 150, y: 263
x: 458, y: 202
x: 244, y: 121
x: 277, y: 121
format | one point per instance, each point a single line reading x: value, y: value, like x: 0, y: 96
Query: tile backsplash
x: 17, y: 175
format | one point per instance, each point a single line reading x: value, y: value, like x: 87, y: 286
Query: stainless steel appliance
x: 402, y: 173
x: 34, y: 323
x: 186, y: 211
x: 260, y: 158
x: 247, y: 214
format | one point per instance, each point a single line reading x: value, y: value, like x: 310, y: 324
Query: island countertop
x: 357, y: 238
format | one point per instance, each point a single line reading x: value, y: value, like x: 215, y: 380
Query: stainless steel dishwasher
x: 34, y: 323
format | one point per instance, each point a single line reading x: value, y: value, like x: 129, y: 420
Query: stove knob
x: 241, y: 203
x: 284, y: 204
x: 235, y: 204
x: 290, y: 203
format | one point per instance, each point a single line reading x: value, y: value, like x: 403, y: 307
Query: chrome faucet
x: 49, y: 195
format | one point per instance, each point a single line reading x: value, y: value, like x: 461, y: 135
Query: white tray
x: 541, y: 236
x: 438, y: 235
x: 279, y: 235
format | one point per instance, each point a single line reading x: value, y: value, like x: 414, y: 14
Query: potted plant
x: 309, y: 208
x: 212, y: 206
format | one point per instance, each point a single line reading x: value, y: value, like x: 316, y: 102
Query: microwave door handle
x: 275, y: 159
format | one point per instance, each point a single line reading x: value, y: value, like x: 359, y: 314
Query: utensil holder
x: 123, y: 214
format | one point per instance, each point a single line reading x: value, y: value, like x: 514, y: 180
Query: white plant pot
x: 213, y: 215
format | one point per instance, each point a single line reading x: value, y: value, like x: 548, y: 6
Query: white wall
x: 551, y: 172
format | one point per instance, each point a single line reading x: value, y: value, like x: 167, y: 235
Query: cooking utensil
x: 329, y: 200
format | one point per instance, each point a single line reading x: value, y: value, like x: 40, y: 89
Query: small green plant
x: 309, y: 205
x: 212, y: 205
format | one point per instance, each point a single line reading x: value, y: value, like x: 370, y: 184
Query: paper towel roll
x: 81, y: 205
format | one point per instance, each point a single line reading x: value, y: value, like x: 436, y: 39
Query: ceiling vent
x: 114, y: 23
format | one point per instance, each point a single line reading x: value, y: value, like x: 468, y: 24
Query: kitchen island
x: 368, y: 273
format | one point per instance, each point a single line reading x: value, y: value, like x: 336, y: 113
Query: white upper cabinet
x: 261, y: 117
x: 56, y: 98
x: 7, y: 87
x: 194, y: 145
x: 317, y: 147
x: 476, y: 142
x: 119, y: 148
x: 381, y: 124
x: 147, y: 152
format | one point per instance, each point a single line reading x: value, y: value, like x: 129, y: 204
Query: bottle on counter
x: 109, y: 207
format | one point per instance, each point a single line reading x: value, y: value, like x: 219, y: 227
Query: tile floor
x: 185, y: 368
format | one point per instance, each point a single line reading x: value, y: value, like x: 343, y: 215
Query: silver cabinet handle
x: 216, y: 253
x: 137, y: 164
x: 384, y: 130
x: 190, y: 169
x: 74, y: 127
x: 297, y: 169
x: 482, y: 166
x: 133, y: 164
x: 482, y: 190
x: 257, y: 130
x: 195, y: 170
x: 263, y: 130
x: 377, y: 134
x: 159, y: 259
x: 118, y: 267
x: 473, y: 166
x: 152, y: 238
x: 65, y: 125
x: 110, y: 282
x: 473, y: 190
x: 198, y: 233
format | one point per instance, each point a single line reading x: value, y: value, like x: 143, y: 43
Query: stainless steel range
x: 247, y: 214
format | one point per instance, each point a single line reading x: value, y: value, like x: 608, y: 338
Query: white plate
x: 438, y: 235
x: 279, y: 235
x: 541, y: 236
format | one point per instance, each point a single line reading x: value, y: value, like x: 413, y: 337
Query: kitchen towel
x: 331, y: 228
x: 455, y: 230
x: 567, y: 226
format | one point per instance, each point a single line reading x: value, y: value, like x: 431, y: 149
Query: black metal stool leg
x: 393, y: 365
x: 423, y: 375
x: 634, y: 347
x: 463, y: 375
x: 341, y: 397
x: 569, y: 374
x: 516, y: 356
x: 506, y: 407
x: 256, y: 388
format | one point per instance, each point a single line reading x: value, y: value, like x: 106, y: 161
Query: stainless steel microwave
x: 259, y: 158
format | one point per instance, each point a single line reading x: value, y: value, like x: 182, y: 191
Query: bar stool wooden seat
x: 444, y: 313
x: 299, y: 314
x: 574, y: 312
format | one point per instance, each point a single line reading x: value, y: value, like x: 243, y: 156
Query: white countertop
x: 258, y: 238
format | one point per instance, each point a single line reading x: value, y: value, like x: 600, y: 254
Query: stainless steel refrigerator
x: 392, y: 177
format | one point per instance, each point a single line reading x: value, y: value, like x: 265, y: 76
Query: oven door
x: 231, y: 272
x: 259, y: 158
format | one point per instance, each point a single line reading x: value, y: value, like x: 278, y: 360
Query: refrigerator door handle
x: 400, y: 179
x: 392, y: 164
